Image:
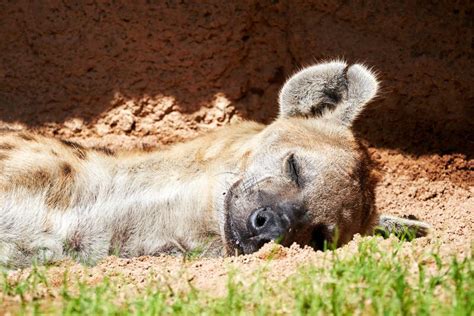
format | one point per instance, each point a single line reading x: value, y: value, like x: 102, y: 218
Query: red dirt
x: 140, y: 75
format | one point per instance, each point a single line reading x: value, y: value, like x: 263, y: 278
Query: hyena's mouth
x: 319, y: 237
x: 283, y: 224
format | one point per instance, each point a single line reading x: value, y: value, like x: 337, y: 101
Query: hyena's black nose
x: 266, y: 225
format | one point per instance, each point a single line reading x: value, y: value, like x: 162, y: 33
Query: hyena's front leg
x: 407, y: 228
x: 18, y: 251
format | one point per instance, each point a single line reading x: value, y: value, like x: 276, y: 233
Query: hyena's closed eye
x: 332, y: 90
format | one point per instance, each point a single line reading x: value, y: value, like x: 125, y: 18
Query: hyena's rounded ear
x: 331, y: 90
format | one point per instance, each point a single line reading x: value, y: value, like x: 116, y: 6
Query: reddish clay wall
x: 159, y: 71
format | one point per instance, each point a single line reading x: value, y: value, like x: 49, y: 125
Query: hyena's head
x: 308, y: 180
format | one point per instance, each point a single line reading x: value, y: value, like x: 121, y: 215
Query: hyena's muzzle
x: 267, y: 210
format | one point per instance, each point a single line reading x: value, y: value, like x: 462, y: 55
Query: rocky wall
x: 148, y: 73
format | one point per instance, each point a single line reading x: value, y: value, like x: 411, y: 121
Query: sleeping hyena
x: 304, y: 178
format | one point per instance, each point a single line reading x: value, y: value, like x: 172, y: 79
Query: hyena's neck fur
x: 93, y: 203
x: 151, y: 187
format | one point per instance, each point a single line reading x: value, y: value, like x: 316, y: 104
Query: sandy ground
x: 437, y: 189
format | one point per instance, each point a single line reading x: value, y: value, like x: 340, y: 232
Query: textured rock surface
x: 162, y: 71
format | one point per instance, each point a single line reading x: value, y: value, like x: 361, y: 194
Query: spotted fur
x: 59, y: 199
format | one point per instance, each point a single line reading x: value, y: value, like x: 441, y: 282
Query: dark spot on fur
x: 71, y: 144
x: 26, y: 136
x: 105, y: 150
x: 169, y: 249
x: 77, y: 149
x: 74, y: 242
x: 6, y: 146
x: 54, y: 153
x: 61, y: 190
x: 25, y: 250
x: 120, y: 237
x: 66, y: 169
x: 35, y: 180
x: 42, y: 175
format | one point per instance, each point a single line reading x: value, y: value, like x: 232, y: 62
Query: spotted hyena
x: 304, y: 178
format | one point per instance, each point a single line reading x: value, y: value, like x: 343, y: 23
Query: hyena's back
x: 39, y: 165
x: 42, y: 181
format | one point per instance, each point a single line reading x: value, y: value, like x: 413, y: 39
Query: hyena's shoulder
x: 40, y: 164
x: 219, y: 147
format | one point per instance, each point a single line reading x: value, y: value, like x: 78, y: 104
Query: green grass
x: 373, y: 281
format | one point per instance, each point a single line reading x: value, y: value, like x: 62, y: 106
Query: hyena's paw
x: 405, y: 228
x: 332, y: 90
